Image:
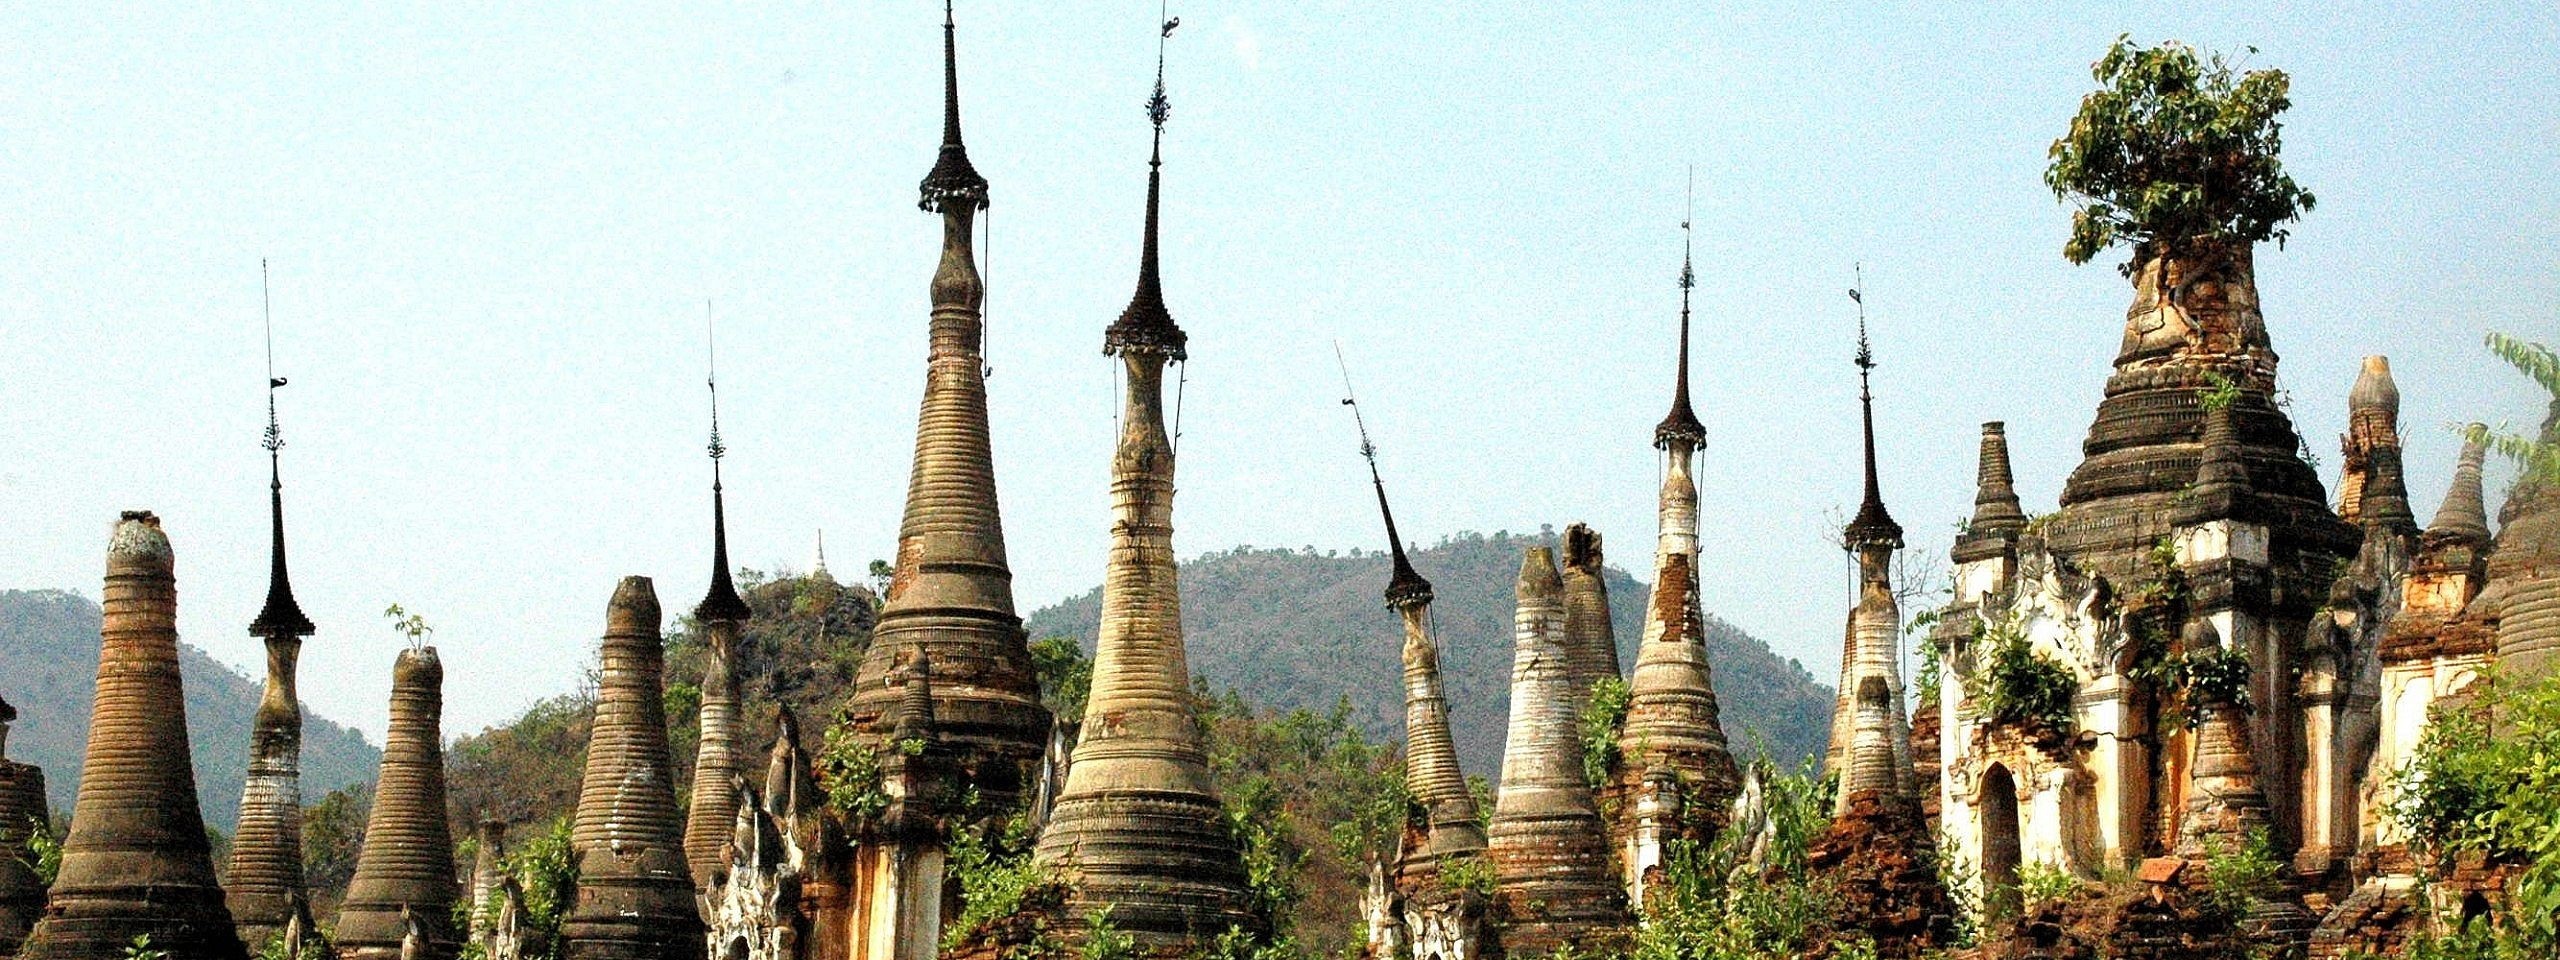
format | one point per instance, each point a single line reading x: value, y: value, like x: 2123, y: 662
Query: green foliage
x: 141, y: 949
x: 409, y: 626
x: 992, y: 867
x: 1271, y: 859
x: 314, y: 947
x: 2042, y: 883
x: 1602, y: 717
x: 547, y: 870
x: 1962, y: 882
x: 2486, y: 778
x: 1932, y: 672
x: 2538, y: 457
x: 2175, y: 152
x: 2214, y: 676
x: 1468, y: 874
x: 43, y: 852
x: 1240, y: 944
x: 1715, y: 904
x: 1308, y: 796
x: 848, y: 772
x: 332, y: 833
x: 2219, y: 391
x: 2018, y: 685
x: 1066, y: 676
x: 2237, y: 880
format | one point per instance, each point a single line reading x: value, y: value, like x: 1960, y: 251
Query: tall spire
x: 404, y: 883
x: 1872, y: 526
x: 1405, y: 587
x: 1137, y: 821
x: 952, y: 181
x: 716, y: 767
x: 635, y: 893
x: 1682, y: 423
x: 265, y: 885
x: 950, y: 591
x: 1146, y: 324
x: 721, y: 602
x: 281, y: 616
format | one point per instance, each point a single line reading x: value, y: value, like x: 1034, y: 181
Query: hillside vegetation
x: 1300, y: 629
x: 49, y: 671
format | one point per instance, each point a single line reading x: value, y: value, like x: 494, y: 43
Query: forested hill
x: 49, y: 671
x: 1297, y: 628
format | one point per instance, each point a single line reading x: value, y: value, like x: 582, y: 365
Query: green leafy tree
x: 332, y: 832
x: 2538, y: 457
x: 2486, y: 779
x: 2175, y: 153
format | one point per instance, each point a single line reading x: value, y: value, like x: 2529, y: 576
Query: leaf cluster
x: 2176, y: 151
x: 2020, y: 686
x: 2486, y: 779
x: 1603, y: 715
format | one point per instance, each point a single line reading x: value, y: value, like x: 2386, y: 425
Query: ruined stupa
x: 264, y: 883
x: 1870, y: 736
x: 1591, y: 641
x: 1553, y: 876
x: 717, y: 768
x: 2525, y: 566
x: 404, y: 883
x: 635, y: 894
x: 950, y: 591
x: 136, y: 862
x: 1676, y: 775
x: 1138, y: 824
x: 22, y: 811
x: 1417, y: 909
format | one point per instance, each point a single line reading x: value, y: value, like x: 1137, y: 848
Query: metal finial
x: 1159, y: 108
x: 711, y: 342
x: 1873, y: 525
x: 1866, y: 360
x: 1688, y: 277
x: 274, y: 440
x: 1405, y: 586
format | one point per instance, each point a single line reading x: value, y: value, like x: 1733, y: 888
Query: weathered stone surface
x: 22, y: 811
x: 264, y: 882
x: 1591, y: 642
x: 951, y: 591
x: 1882, y: 863
x: 1137, y: 825
x: 717, y: 773
x: 635, y: 892
x: 1555, y: 885
x: 404, y: 882
x: 2525, y: 564
x: 136, y: 862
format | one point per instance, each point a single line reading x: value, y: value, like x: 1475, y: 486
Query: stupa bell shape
x: 136, y: 862
x: 635, y: 893
x: 405, y: 877
x: 1553, y: 877
x: 265, y: 887
x: 718, y: 762
x: 950, y: 590
x: 1138, y: 821
x: 2524, y: 567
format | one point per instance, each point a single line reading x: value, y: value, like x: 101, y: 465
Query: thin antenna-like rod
x: 267, y: 308
x: 1368, y: 451
x: 711, y: 379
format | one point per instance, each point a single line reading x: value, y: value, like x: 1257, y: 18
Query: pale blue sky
x: 494, y: 225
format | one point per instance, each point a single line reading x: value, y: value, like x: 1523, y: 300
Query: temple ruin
x: 405, y: 884
x: 22, y: 812
x: 635, y: 892
x: 1555, y: 883
x: 264, y: 882
x: 136, y: 862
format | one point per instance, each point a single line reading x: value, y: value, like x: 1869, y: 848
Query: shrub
x: 2486, y: 778
x: 1602, y: 718
x: 2019, y: 686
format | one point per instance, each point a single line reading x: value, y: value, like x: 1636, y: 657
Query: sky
x: 493, y: 229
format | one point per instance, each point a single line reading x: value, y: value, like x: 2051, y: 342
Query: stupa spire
x: 1591, y: 640
x: 136, y: 862
x: 2464, y: 516
x: 952, y: 181
x: 1870, y: 737
x: 404, y: 883
x: 1137, y: 820
x: 1146, y: 324
x: 635, y: 893
x: 265, y: 880
x: 950, y: 591
x: 1681, y: 424
x: 714, y: 811
x: 1872, y: 525
x: 1550, y: 848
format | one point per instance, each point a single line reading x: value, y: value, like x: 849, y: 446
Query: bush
x: 2486, y: 779
x: 1602, y: 718
x: 2173, y: 152
x: 2019, y: 686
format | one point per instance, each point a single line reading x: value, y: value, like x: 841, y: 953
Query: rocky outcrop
x: 136, y: 863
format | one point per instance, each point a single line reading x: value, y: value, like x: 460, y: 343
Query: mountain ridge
x: 49, y: 670
x: 1297, y: 628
